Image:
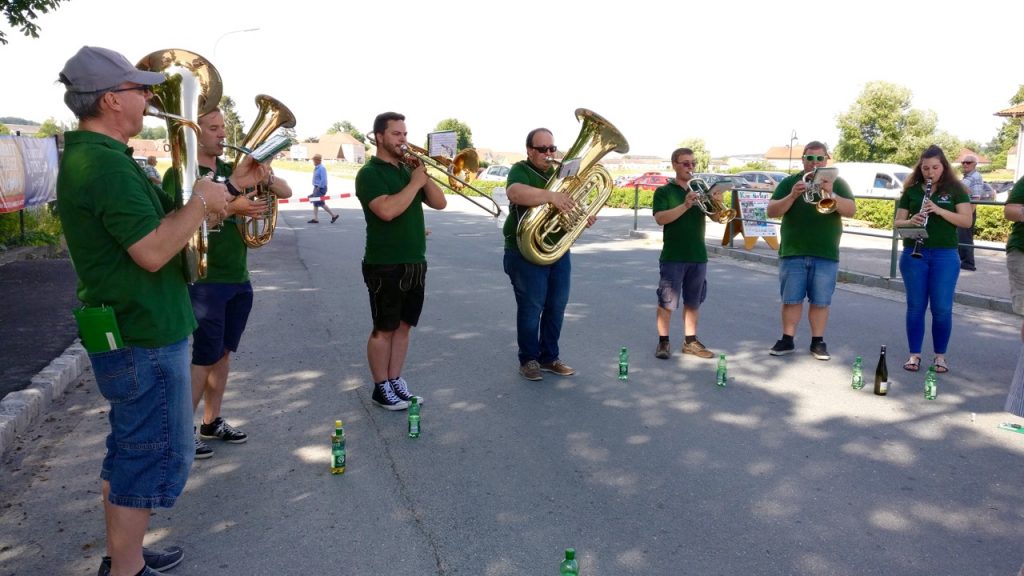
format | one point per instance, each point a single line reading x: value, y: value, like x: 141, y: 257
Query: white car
x: 495, y: 173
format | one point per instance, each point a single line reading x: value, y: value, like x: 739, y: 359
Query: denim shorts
x: 1015, y: 267
x: 396, y: 293
x: 682, y: 279
x: 807, y: 277
x: 150, y: 446
x: 222, y: 310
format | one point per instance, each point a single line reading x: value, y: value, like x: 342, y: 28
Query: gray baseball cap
x: 93, y: 69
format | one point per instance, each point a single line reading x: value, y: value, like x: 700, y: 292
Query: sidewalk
x: 866, y: 260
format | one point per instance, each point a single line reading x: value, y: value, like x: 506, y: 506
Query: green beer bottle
x: 414, y: 418
x: 338, y: 449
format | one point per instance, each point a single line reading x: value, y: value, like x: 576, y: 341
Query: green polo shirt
x: 941, y: 233
x: 805, y: 232
x: 683, y: 238
x: 1016, y: 239
x: 403, y: 240
x: 226, y: 254
x: 106, y: 205
x: 522, y: 172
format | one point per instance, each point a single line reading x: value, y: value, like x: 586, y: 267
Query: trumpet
x: 919, y: 242
x: 815, y: 194
x: 715, y: 209
x: 461, y: 170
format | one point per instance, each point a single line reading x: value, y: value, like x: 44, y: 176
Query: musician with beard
x: 223, y: 299
x: 392, y: 189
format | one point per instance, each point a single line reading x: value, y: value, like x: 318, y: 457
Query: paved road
x: 786, y: 471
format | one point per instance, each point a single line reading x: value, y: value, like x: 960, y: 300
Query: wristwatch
x: 231, y: 188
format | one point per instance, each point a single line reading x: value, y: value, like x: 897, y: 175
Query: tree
x: 234, y: 128
x: 1000, y: 145
x: 701, y: 156
x: 4, y: 129
x: 346, y: 127
x: 153, y: 133
x: 465, y: 135
x: 48, y: 128
x: 881, y: 124
x: 21, y: 13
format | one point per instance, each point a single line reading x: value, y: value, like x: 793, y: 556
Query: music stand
x: 911, y: 233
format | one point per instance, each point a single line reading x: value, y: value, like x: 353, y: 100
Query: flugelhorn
x: 815, y: 194
x: 544, y: 233
x: 919, y: 242
x: 271, y: 114
x: 192, y: 89
x: 715, y: 209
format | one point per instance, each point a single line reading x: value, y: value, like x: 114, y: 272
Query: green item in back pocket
x: 97, y: 327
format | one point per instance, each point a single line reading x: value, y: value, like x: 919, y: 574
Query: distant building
x: 982, y: 159
x: 337, y: 147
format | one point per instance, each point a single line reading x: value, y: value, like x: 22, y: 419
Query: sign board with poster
x: 753, y: 208
x: 28, y: 172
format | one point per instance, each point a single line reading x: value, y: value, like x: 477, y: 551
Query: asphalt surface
x: 784, y: 471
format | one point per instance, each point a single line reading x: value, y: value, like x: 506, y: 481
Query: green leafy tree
x: 700, y: 153
x: 881, y: 125
x: 998, y: 148
x: 20, y: 14
x: 465, y: 135
x: 153, y: 133
x: 4, y: 129
x: 49, y: 128
x: 234, y: 128
x: 16, y: 120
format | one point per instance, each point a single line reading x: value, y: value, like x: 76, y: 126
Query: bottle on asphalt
x: 931, y: 384
x: 569, y: 566
x: 414, y: 418
x: 623, y: 364
x: 721, y: 376
x: 858, y: 373
x: 338, y: 448
x: 881, y: 375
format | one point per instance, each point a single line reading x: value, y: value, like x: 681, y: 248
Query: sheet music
x: 442, y: 144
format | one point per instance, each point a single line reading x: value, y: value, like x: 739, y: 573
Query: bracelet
x: 231, y: 188
x: 203, y: 200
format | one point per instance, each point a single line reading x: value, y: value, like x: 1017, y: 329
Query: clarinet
x: 918, y: 243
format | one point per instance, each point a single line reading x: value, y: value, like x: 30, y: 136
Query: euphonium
x: 814, y: 194
x: 715, y: 209
x: 271, y: 115
x: 544, y: 233
x: 193, y: 88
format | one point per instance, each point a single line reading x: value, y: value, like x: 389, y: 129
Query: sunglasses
x: 814, y: 158
x: 687, y: 164
x: 130, y: 88
x: 967, y: 162
x: 545, y: 149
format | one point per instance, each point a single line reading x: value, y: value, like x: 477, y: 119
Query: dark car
x: 762, y: 179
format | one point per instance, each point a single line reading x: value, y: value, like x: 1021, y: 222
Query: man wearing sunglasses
x: 542, y: 292
x: 975, y: 185
x: 126, y: 253
x: 809, y: 252
x: 683, y: 262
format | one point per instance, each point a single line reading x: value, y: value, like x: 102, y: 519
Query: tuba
x: 193, y: 88
x: 715, y: 209
x: 544, y: 233
x: 271, y: 115
x: 814, y: 193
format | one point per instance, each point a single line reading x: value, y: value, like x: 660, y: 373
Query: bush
x: 877, y: 213
x: 42, y: 227
x: 991, y: 224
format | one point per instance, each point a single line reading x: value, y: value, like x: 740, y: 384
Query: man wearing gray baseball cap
x: 136, y: 315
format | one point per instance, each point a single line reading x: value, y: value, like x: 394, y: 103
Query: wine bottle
x: 881, y: 375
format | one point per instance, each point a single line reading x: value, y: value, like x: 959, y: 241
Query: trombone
x: 460, y: 170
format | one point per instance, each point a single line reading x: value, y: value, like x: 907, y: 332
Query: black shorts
x: 396, y: 293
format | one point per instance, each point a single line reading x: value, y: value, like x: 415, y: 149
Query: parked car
x: 762, y: 179
x: 711, y: 178
x: 649, y: 181
x: 495, y: 173
x: 623, y: 180
x: 874, y: 179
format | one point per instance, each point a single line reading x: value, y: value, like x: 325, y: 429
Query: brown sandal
x: 912, y: 365
x: 940, y: 365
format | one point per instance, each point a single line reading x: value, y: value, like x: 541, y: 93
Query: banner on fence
x: 28, y: 172
x: 754, y: 211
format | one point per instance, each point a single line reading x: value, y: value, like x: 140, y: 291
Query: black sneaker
x: 663, y: 351
x: 819, y: 350
x: 401, y: 389
x: 202, y: 450
x: 221, y: 430
x: 385, y: 397
x: 154, y: 559
x: 781, y: 348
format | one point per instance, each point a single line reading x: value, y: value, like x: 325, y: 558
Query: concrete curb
x: 19, y: 410
x: 848, y: 276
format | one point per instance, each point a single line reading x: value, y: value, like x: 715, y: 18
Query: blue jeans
x: 807, y: 277
x: 542, y: 293
x: 930, y: 279
x: 150, y: 446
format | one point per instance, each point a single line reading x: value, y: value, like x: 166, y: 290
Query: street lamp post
x: 792, y: 138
